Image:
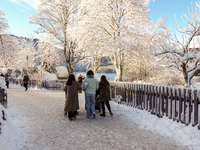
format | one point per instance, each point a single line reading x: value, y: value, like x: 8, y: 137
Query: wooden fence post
x: 142, y: 96
x: 180, y: 105
x: 146, y: 96
x: 171, y: 97
x: 167, y: 100
x: 184, y: 106
x: 198, y: 100
x: 156, y: 101
x: 150, y: 98
x: 153, y: 100
x: 162, y: 101
x: 139, y: 100
x: 190, y: 109
x: 137, y: 95
x: 159, y: 102
x: 195, y: 109
x: 175, y: 100
x: 134, y: 96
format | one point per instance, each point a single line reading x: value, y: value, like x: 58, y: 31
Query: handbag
x: 86, y: 85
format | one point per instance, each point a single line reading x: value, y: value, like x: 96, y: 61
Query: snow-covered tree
x: 3, y: 22
x: 123, y: 24
x: 49, y: 56
x: 7, y: 46
x: 94, y: 52
x: 6, y: 43
x: 55, y: 18
x: 184, y: 54
x: 27, y: 55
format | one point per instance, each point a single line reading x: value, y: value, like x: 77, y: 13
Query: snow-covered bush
x: 62, y: 72
x: 169, y: 78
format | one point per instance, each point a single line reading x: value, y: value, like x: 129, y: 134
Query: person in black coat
x: 104, y: 95
x: 25, y: 80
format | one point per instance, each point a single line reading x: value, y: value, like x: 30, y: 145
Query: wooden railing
x: 179, y: 104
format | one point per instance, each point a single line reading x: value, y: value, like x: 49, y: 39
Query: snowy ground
x: 36, y: 122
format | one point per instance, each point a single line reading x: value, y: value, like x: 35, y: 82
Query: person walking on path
x: 25, y: 80
x: 7, y: 80
x: 80, y: 80
x: 90, y: 85
x: 71, y: 90
x: 104, y: 95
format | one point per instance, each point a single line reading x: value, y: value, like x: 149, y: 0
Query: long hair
x: 104, y: 80
x: 70, y: 79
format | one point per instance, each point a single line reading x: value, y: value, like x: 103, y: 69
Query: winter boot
x: 111, y: 114
x: 102, y: 115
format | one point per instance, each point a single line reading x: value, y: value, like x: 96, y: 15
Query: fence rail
x: 179, y: 104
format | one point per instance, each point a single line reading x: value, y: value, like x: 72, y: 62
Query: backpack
x: 79, y: 79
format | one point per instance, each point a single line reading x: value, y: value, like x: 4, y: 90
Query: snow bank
x: 2, y: 83
x: 5, y: 128
x: 4, y: 124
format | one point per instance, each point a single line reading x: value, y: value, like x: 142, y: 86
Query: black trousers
x: 103, y: 106
x: 71, y: 114
x: 26, y: 86
x: 7, y: 84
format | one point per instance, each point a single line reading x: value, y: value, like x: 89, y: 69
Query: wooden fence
x: 47, y: 84
x: 179, y: 104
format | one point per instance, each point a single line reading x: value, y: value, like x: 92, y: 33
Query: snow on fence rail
x: 179, y: 104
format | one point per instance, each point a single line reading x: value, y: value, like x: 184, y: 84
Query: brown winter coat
x: 71, y: 103
x: 104, y: 90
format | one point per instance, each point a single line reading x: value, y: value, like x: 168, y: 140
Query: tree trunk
x: 187, y: 82
x: 70, y: 68
x: 186, y: 78
x: 119, y: 65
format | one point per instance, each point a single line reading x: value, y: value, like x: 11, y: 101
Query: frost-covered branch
x: 184, y: 53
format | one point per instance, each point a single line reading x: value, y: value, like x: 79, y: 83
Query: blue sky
x: 16, y: 12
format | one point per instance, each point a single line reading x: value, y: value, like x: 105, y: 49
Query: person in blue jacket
x: 89, y: 86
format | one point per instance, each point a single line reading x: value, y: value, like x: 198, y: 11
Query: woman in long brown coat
x: 71, y: 90
x: 104, y: 95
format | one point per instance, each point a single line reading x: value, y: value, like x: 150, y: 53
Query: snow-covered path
x: 39, y: 124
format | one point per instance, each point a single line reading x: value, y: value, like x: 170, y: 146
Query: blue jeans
x: 89, y: 98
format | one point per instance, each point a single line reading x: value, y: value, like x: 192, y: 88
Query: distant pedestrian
x: 71, y: 104
x: 80, y: 80
x: 7, y: 80
x: 25, y: 80
x: 90, y: 85
x: 104, y: 95
x: 2, y: 75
